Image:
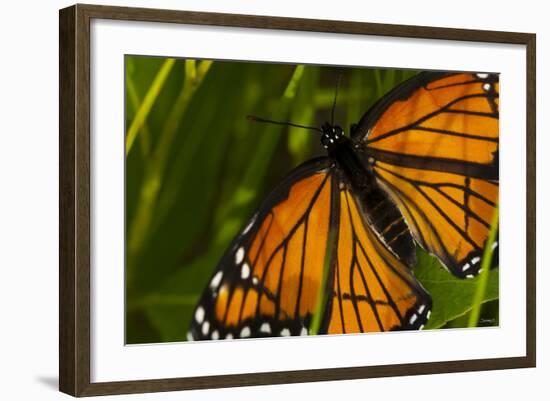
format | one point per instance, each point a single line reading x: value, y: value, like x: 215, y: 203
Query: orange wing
x: 449, y: 214
x: 371, y: 289
x: 433, y: 144
x: 269, y: 281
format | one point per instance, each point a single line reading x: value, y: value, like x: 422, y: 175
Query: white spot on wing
x: 495, y: 244
x: 205, y: 328
x: 199, y: 314
x: 486, y: 86
x: 245, y: 332
x: 229, y: 336
x: 303, y: 332
x: 465, y: 267
x: 428, y: 314
x: 482, y: 76
x: 239, y: 256
x: 216, y: 280
x: 245, y: 271
x: 215, y: 335
x: 476, y: 259
x: 285, y: 332
x: 249, y: 225
x: 421, y: 309
x: 413, y: 319
x: 265, y: 328
x: 190, y: 336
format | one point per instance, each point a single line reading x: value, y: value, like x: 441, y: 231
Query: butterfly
x: 420, y: 167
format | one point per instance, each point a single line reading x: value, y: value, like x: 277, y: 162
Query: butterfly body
x: 381, y: 211
x: 421, y: 167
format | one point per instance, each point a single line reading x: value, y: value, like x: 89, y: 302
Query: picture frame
x: 76, y: 334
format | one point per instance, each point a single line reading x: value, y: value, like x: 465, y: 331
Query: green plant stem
x: 155, y: 167
x: 322, y: 294
x: 148, y: 102
x: 484, y: 276
x: 135, y: 101
x: 303, y: 112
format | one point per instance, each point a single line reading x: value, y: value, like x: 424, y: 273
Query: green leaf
x: 452, y: 297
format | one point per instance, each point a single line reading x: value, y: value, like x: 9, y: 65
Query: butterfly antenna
x: 264, y: 120
x: 339, y: 80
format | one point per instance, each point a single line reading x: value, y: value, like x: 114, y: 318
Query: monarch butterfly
x: 420, y: 167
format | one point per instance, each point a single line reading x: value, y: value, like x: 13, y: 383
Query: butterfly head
x: 332, y: 136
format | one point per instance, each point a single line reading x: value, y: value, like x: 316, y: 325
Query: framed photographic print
x: 238, y: 189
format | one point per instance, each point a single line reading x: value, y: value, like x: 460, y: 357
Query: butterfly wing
x: 372, y: 290
x: 433, y: 145
x: 268, y: 282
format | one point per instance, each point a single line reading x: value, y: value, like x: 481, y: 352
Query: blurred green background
x: 196, y: 170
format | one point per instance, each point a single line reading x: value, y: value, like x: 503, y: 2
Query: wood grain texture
x: 74, y: 199
x: 300, y: 24
x: 301, y: 376
x: 67, y: 101
x: 74, y: 176
x: 82, y: 200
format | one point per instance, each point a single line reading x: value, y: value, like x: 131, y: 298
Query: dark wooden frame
x: 74, y: 204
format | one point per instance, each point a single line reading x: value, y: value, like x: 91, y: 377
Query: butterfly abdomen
x: 388, y: 222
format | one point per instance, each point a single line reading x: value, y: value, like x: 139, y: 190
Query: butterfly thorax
x: 340, y: 149
x: 380, y: 210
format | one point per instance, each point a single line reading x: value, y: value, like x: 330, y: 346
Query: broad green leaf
x: 452, y: 297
